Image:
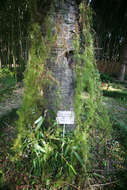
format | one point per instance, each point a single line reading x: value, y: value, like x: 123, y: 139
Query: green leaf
x: 79, y: 158
x: 72, y: 169
x: 66, y: 150
x: 39, y: 124
x: 38, y: 147
x: 47, y: 182
x: 98, y: 175
x: 38, y: 120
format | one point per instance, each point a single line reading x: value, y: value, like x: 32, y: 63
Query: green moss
x: 34, y: 82
x: 91, y: 117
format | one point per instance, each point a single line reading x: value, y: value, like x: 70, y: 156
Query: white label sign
x: 65, y: 117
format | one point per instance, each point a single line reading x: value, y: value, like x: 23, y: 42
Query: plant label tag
x: 65, y: 117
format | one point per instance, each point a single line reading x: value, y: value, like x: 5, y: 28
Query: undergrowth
x: 7, y: 82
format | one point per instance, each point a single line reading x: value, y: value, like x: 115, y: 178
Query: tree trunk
x: 123, y: 61
x: 122, y: 73
x: 60, y: 95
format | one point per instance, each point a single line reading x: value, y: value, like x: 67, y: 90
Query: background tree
x: 14, y: 32
x: 110, y: 24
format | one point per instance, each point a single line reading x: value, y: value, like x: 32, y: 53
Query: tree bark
x: 122, y: 73
x: 60, y: 95
x: 123, y: 61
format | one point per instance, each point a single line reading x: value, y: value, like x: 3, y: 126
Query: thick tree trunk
x: 123, y: 61
x: 60, y: 94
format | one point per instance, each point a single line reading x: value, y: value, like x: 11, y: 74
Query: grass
x: 7, y: 133
x: 7, y: 136
x: 115, y: 95
x: 116, y: 104
x: 115, y: 101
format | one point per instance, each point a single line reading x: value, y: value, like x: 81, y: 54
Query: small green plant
x: 7, y: 78
x: 7, y: 82
x: 54, y: 158
x: 105, y: 77
x: 125, y: 78
x: 2, y: 178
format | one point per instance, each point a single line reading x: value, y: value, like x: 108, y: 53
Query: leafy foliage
x: 7, y: 82
x: 105, y: 77
x: 7, y: 78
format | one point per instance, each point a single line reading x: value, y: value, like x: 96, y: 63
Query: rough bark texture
x: 122, y: 72
x: 123, y: 60
x: 60, y: 94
